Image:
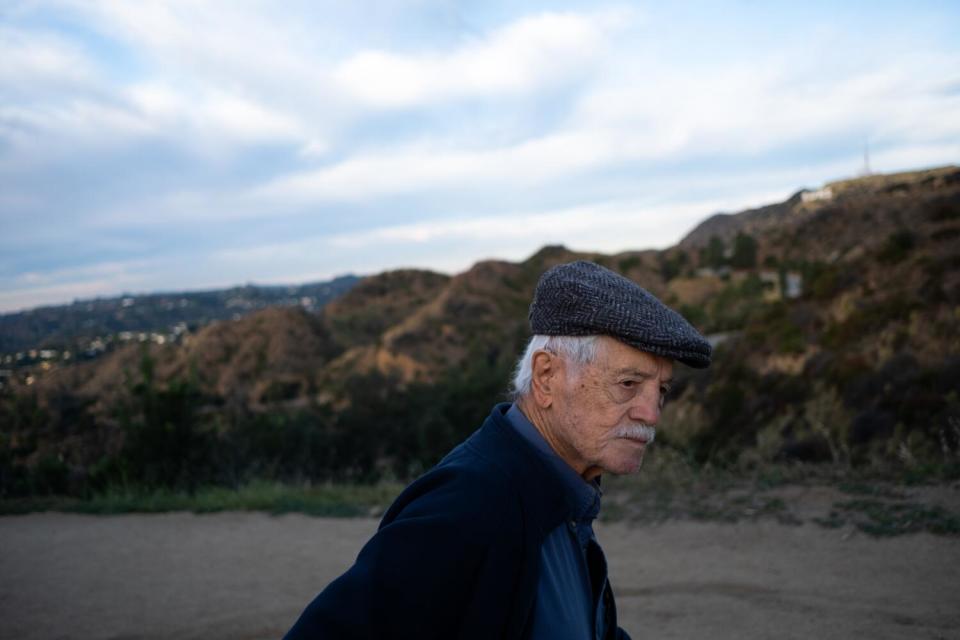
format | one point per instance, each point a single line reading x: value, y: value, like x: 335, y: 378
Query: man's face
x: 599, y: 407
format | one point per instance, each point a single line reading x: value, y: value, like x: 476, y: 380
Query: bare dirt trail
x: 768, y: 580
x: 243, y: 576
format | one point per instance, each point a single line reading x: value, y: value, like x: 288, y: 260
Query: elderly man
x: 496, y: 541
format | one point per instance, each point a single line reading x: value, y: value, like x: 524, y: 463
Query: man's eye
x: 627, y: 384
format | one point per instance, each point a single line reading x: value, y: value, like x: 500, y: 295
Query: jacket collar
x: 583, y: 498
x: 538, y: 482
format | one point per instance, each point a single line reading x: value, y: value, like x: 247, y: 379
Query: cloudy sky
x: 179, y: 144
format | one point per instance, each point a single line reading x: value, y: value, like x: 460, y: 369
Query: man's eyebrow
x: 645, y: 373
x: 640, y: 373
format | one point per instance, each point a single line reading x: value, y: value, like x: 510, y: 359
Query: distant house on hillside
x: 775, y: 287
x: 814, y: 196
x: 794, y: 284
x: 771, y: 285
x: 711, y: 272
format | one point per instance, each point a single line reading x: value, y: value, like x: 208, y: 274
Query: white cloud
x: 314, y: 149
x: 771, y: 104
x: 521, y: 57
x: 424, y: 168
x: 208, y: 76
x: 51, y: 88
x: 47, y: 130
x: 213, y: 114
x: 268, y: 54
x: 35, y: 60
x: 247, y: 118
x: 732, y: 113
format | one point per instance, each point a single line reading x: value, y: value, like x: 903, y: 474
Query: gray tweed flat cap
x: 582, y: 298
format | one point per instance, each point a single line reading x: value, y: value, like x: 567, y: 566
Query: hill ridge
x: 835, y: 318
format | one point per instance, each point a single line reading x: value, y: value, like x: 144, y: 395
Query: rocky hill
x: 835, y: 315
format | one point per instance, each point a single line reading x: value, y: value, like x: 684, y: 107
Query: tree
x: 712, y: 255
x: 167, y: 443
x: 744, y: 252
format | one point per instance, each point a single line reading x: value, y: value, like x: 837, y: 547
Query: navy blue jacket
x: 457, y: 555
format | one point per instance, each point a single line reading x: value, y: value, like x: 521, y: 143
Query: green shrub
x: 628, y: 263
x: 827, y: 281
x: 695, y: 314
x: 946, y: 208
x: 734, y: 305
x: 870, y: 318
x: 744, y: 252
x: 49, y: 476
x: 712, y: 255
x: 897, y: 247
x: 673, y: 265
x: 945, y: 234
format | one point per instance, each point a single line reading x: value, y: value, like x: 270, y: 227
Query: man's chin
x: 628, y: 466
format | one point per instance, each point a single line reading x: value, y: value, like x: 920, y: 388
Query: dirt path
x: 248, y: 576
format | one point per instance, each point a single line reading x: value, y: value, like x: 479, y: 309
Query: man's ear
x: 545, y: 367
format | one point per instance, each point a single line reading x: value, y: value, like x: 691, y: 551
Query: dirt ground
x: 243, y: 575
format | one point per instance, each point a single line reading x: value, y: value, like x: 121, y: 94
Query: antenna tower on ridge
x: 866, y: 159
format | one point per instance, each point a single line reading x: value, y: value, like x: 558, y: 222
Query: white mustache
x: 636, y: 432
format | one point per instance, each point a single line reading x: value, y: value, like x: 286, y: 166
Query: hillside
x: 854, y: 194
x: 77, y: 326
x: 835, y: 317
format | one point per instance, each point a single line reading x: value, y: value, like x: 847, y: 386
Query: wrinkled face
x: 600, y: 410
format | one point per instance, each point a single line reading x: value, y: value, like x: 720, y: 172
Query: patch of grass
x: 771, y: 476
x: 788, y: 518
x: 705, y: 511
x: 270, y: 497
x: 883, y: 519
x: 672, y: 488
x: 832, y: 521
x: 931, y: 473
x: 865, y: 488
x: 752, y: 507
x: 22, y: 506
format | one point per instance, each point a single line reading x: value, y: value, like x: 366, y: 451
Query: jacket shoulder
x: 467, y: 489
x: 446, y: 562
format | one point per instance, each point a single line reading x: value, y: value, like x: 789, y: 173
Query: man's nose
x: 646, y: 406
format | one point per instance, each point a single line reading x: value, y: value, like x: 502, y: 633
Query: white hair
x: 579, y: 350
